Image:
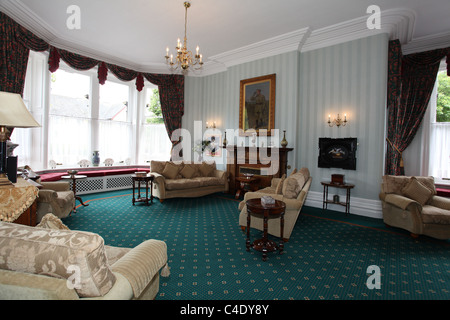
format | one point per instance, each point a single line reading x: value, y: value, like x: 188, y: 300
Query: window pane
x: 115, y: 132
x: 69, y: 95
x: 154, y: 143
x: 69, y: 118
x: 443, y: 99
x: 114, y: 99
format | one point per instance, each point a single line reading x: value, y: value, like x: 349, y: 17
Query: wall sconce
x: 210, y: 126
x: 338, y: 121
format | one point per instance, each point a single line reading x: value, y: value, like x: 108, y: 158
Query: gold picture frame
x: 257, y: 105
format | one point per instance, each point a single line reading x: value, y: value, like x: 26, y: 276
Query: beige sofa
x: 186, y: 179
x: 50, y: 261
x: 411, y: 203
x: 292, y: 191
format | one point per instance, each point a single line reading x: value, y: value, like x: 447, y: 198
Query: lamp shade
x: 14, y: 113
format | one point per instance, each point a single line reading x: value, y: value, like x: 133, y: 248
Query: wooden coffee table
x: 255, y: 208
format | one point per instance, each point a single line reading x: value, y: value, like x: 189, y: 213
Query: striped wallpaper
x: 346, y: 78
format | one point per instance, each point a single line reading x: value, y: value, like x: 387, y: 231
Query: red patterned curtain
x: 171, y: 96
x: 16, y: 41
x: 15, y: 45
x: 411, y: 80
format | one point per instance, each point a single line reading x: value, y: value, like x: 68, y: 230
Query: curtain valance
x: 16, y: 43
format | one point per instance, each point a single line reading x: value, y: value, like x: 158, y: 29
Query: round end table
x: 274, y: 211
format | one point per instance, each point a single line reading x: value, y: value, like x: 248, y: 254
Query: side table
x: 137, y: 180
x: 255, y: 208
x: 74, y: 178
x: 347, y: 186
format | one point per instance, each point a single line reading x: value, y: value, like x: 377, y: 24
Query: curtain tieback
x: 395, y: 147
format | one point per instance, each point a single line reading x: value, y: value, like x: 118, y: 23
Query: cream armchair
x: 56, y: 198
x: 411, y: 203
x: 292, y: 191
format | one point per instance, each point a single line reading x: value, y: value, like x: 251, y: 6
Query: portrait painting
x: 257, y: 105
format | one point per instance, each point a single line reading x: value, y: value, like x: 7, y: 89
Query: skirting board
x: 359, y: 206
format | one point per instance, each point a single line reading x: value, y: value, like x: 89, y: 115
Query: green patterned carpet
x: 326, y: 258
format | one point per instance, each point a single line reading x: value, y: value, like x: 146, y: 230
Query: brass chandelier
x: 184, y: 59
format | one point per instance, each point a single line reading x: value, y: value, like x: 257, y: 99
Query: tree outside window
x: 154, y: 111
x: 443, y: 98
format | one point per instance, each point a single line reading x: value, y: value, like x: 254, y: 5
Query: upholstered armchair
x: 292, y: 191
x: 411, y: 203
x: 56, y: 198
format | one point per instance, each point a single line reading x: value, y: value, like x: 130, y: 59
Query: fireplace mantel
x: 258, y: 161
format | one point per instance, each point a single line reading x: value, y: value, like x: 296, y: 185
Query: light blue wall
x: 346, y: 78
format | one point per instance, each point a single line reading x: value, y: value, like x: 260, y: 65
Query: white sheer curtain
x: 440, y: 150
x: 429, y: 152
x: 69, y: 140
x: 114, y: 140
x: 154, y: 143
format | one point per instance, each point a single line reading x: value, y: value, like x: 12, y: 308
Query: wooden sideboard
x: 262, y: 162
x: 29, y: 216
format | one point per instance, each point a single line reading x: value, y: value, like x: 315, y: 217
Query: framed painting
x: 257, y: 105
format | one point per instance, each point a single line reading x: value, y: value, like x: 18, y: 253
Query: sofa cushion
x: 207, y: 169
x: 180, y: 184
x: 294, y: 183
x: 435, y: 215
x: 157, y: 166
x: 188, y: 171
x: 417, y: 191
x: 58, y: 253
x: 395, y: 184
x: 279, y: 188
x: 171, y: 170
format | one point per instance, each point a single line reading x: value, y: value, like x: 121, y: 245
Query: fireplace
x: 337, y: 153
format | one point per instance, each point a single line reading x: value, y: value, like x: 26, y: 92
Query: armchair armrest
x: 56, y: 186
x: 141, y: 264
x: 47, y: 195
x: 401, y: 201
x: 440, y: 202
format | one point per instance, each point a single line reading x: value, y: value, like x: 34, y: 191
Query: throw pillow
x: 157, y: 166
x: 171, y: 170
x: 51, y: 252
x: 279, y: 189
x: 417, y: 191
x: 290, y: 188
x: 207, y: 169
x: 188, y: 171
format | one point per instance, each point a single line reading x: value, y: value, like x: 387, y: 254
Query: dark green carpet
x: 326, y: 258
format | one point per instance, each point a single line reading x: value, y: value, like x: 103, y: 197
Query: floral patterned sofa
x: 50, y: 261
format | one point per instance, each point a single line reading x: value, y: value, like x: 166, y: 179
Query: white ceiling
x: 135, y: 33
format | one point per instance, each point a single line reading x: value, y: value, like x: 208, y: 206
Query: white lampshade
x: 14, y: 113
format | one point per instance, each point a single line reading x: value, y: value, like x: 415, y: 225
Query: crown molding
x: 398, y: 23
x: 287, y: 42
x: 437, y: 41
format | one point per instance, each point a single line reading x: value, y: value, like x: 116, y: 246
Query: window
x: 154, y: 143
x: 440, y: 128
x: 115, y: 129
x: 69, y: 118
x: 79, y: 116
